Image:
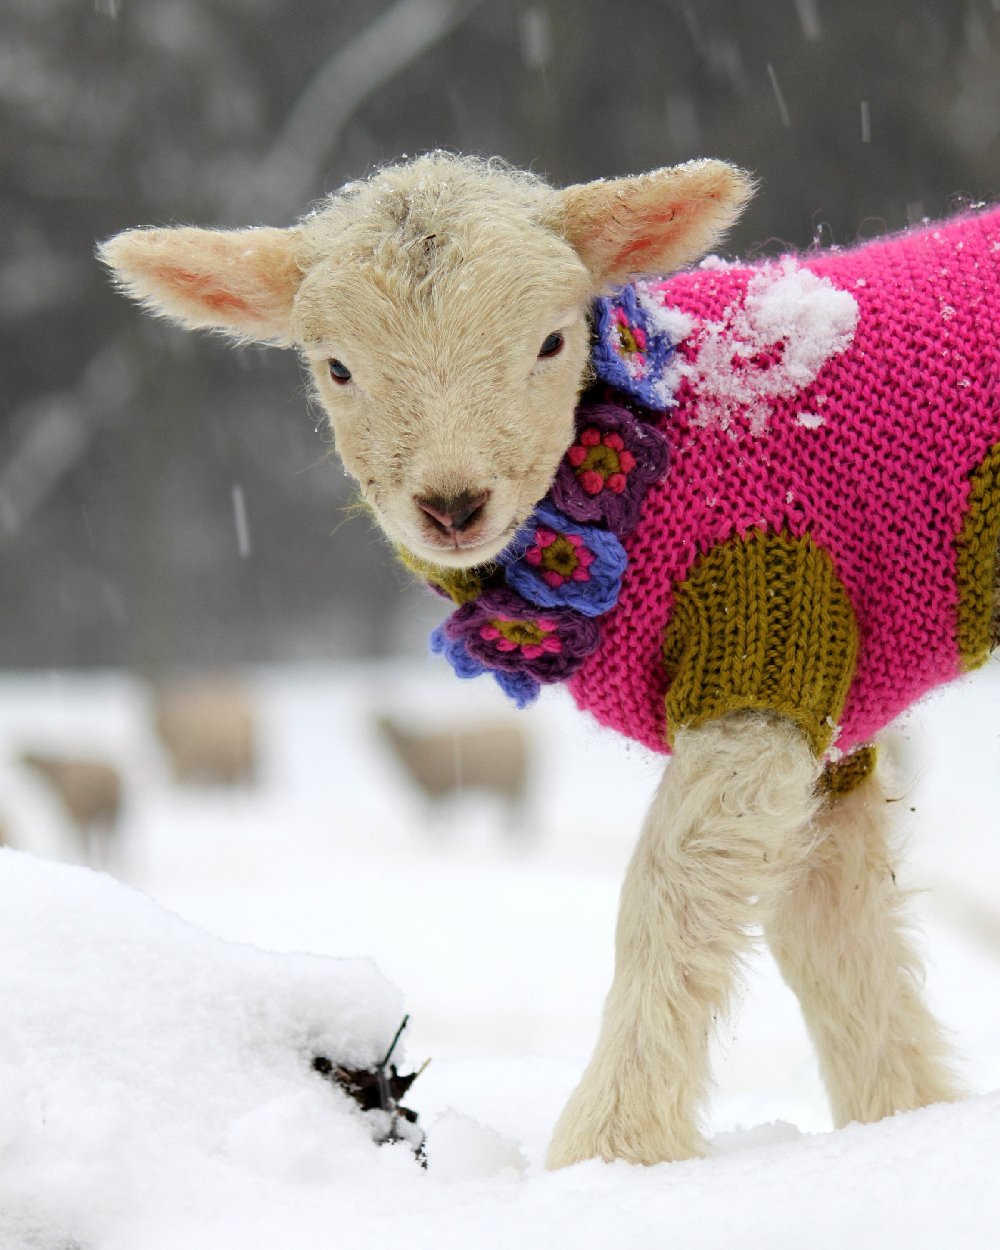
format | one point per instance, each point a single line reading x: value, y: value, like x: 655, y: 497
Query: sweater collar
x: 533, y: 616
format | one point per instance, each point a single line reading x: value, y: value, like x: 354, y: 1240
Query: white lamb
x: 443, y: 308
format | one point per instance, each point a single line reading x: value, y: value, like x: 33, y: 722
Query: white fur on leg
x: 839, y: 936
x: 725, y: 826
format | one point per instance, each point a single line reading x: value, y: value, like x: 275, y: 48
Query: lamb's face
x: 450, y: 384
x: 441, y: 306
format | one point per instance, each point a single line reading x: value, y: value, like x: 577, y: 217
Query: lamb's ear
x: 240, y: 281
x: 654, y: 223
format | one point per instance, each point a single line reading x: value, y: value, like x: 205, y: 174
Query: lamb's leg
x: 838, y: 934
x: 726, y: 825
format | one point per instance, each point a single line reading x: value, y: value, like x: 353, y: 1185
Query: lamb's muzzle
x: 452, y: 515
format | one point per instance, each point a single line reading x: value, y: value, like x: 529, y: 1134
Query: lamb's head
x: 441, y: 307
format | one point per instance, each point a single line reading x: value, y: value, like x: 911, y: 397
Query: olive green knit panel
x: 976, y: 560
x: 460, y: 585
x: 842, y: 776
x: 761, y: 623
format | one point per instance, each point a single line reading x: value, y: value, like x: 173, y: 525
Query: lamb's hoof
x: 579, y: 1136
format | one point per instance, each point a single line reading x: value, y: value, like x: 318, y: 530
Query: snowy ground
x: 155, y: 1089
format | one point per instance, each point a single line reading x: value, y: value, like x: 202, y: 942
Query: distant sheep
x: 749, y: 513
x: 490, y: 757
x: 89, y: 792
x: 208, y: 728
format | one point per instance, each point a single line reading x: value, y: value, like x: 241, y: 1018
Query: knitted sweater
x: 823, y: 543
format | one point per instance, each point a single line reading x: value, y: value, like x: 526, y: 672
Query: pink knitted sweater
x: 848, y: 398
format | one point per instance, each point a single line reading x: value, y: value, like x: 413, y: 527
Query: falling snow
x: 240, y: 520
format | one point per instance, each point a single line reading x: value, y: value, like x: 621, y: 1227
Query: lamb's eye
x: 339, y: 371
x: 552, y: 346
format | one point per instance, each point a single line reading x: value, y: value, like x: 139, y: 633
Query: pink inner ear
x: 657, y: 228
x: 631, y: 248
x: 204, y: 290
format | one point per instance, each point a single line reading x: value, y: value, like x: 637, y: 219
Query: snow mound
x: 460, y: 1148
x: 138, y: 1053
x: 157, y: 1092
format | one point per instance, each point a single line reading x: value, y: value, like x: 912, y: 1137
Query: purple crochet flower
x: 519, y: 687
x: 507, y: 634
x: 556, y: 562
x: 604, y: 476
x: 633, y: 349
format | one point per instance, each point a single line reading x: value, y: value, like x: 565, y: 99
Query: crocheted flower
x: 505, y: 633
x: 521, y: 688
x: 633, y: 347
x: 604, y: 476
x: 555, y: 562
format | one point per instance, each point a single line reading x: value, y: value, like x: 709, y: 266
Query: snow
x: 243, y: 545
x: 866, y: 122
x: 464, y: 1149
x: 156, y: 1088
x: 779, y: 97
x: 134, y: 1047
x: 810, y: 20
x: 768, y: 345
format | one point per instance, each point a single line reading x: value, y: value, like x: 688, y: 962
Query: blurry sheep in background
x: 90, y: 793
x: 208, y: 728
x: 442, y: 764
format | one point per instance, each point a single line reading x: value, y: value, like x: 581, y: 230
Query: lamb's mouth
x: 467, y: 552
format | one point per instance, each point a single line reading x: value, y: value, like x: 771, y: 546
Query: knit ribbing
x: 840, y: 777
x: 761, y: 623
x: 459, y: 585
x: 977, y: 564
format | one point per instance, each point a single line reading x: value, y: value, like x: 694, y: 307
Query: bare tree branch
x: 57, y: 430
x: 291, y: 171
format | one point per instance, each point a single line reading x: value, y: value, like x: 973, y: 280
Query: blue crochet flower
x: 521, y: 688
x: 555, y: 562
x: 632, y: 352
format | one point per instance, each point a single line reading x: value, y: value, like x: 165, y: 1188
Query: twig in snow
x: 378, y: 1090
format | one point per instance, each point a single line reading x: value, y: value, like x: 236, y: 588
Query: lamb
x: 748, y: 513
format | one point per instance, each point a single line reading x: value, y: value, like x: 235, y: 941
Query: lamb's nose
x: 453, y: 513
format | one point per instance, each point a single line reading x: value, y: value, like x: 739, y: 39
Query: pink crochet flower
x: 605, y: 474
x: 556, y: 562
x: 532, y: 639
x: 504, y: 631
x: 559, y: 558
x: 601, y: 460
x: 631, y: 336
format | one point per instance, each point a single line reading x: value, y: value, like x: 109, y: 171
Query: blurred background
x: 213, y: 677
x: 166, y: 502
